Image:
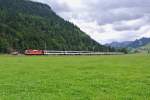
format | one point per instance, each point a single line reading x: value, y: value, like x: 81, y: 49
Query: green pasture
x: 122, y: 77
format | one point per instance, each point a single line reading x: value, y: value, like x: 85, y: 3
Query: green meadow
x: 122, y: 77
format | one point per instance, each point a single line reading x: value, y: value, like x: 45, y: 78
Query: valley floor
x: 124, y: 77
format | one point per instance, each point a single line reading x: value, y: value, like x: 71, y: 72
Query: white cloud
x: 106, y: 20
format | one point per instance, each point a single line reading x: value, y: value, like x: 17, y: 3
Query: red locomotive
x: 34, y: 52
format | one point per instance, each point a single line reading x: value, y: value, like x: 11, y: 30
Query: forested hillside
x: 30, y: 25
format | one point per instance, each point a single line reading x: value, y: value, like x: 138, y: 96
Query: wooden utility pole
x: 45, y: 46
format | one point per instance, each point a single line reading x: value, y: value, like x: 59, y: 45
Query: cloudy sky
x: 106, y: 20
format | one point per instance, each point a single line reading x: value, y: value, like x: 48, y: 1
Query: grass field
x: 125, y: 77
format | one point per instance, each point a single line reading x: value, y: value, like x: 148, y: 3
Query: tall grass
x: 125, y: 77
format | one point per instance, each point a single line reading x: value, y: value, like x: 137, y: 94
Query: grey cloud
x: 118, y: 14
x: 135, y: 24
x: 113, y: 4
x: 109, y: 11
x: 125, y: 28
x: 60, y: 7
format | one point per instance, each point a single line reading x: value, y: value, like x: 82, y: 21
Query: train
x: 34, y: 52
x: 53, y: 52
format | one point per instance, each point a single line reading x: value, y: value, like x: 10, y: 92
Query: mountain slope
x: 131, y: 44
x: 139, y: 43
x: 25, y: 24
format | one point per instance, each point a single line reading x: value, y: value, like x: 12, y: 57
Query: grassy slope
x: 75, y: 78
x: 144, y: 49
x: 146, y: 46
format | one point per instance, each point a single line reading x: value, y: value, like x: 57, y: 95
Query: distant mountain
x: 119, y: 44
x: 139, y: 43
x: 25, y: 24
x: 130, y: 44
